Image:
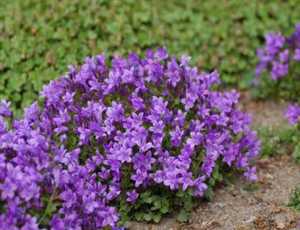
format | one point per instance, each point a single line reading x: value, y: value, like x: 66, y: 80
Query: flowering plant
x: 112, y: 136
x: 279, y: 63
x: 280, y: 59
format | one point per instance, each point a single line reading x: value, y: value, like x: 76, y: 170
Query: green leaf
x: 156, y: 218
x: 183, y: 216
x: 147, y: 217
x: 296, y: 153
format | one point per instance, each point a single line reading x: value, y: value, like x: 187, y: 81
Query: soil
x: 238, y: 206
x: 264, y: 113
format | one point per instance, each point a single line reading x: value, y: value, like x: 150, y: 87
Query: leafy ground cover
x: 38, y: 39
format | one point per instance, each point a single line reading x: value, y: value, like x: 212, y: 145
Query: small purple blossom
x: 250, y: 174
x: 132, y: 196
x: 4, y: 109
x: 293, y: 114
x: 279, y: 70
x: 297, y: 54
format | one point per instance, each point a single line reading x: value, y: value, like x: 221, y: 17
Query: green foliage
x: 296, y: 153
x: 150, y: 207
x: 2, y: 207
x: 282, y: 89
x: 154, y: 203
x: 295, y: 199
x: 38, y: 39
x: 216, y: 178
x: 251, y: 187
x: 51, y: 208
x: 279, y: 140
x: 51, y: 205
x: 157, y: 202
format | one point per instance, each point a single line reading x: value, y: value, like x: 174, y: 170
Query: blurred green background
x: 40, y: 38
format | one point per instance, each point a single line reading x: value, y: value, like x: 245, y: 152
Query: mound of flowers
x: 111, y: 131
x: 279, y: 54
x: 279, y: 61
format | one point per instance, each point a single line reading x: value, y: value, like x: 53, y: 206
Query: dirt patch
x: 264, y: 113
x: 236, y: 207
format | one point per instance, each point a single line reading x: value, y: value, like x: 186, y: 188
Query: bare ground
x: 236, y: 207
x: 264, y: 113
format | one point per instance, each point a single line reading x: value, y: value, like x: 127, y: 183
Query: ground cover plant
x: 293, y: 115
x: 39, y: 38
x: 277, y: 73
x: 295, y: 199
x: 122, y: 138
x: 279, y: 63
x: 278, y: 141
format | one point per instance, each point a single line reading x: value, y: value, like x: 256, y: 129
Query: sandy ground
x: 267, y: 113
x: 236, y: 207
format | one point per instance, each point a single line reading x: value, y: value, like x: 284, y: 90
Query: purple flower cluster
x: 62, y: 164
x: 277, y: 57
x: 278, y: 54
x: 293, y: 114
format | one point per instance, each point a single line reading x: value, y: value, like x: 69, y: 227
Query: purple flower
x: 161, y: 54
x: 137, y: 102
x: 284, y: 56
x: 132, y: 196
x: 4, y: 109
x: 176, y: 136
x: 293, y: 114
x: 274, y: 42
x: 297, y: 54
x: 200, y: 186
x: 279, y: 70
x: 250, y: 174
x: 173, y: 72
